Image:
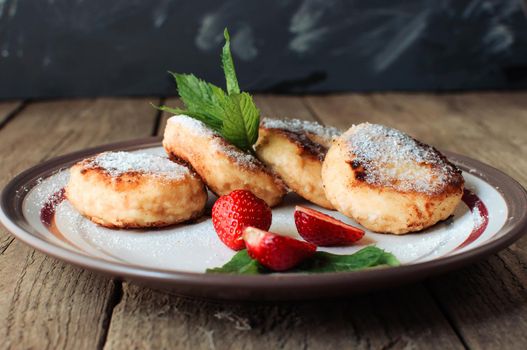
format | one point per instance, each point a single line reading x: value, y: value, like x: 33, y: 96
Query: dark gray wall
x: 124, y: 47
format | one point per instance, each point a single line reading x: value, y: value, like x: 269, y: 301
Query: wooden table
x: 45, y: 303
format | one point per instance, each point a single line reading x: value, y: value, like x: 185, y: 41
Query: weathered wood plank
x: 7, y: 108
x: 502, y: 114
x: 401, y: 318
x: 280, y: 107
x: 395, y: 318
x: 486, y: 302
x: 392, y: 318
x: 46, y: 303
x: 171, y: 102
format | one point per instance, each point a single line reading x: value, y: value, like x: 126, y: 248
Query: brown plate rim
x: 274, y: 286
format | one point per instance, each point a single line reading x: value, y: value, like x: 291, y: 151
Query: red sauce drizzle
x: 48, y: 209
x: 473, y: 202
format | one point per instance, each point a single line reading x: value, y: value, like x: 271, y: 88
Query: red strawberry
x: 235, y: 211
x: 278, y: 253
x: 323, y: 230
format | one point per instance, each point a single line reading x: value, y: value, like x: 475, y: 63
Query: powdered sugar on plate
x: 479, y: 219
x: 391, y: 158
x: 118, y: 163
x: 302, y: 126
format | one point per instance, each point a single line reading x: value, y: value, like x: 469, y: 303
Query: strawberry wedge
x: 324, y: 230
x: 278, y: 253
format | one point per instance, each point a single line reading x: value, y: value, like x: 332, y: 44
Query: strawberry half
x: 278, y: 253
x: 324, y: 230
x: 233, y: 212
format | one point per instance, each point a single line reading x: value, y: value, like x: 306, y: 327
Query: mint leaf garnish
x: 241, y: 263
x: 228, y: 66
x: 232, y: 114
x: 240, y: 126
x: 367, y: 257
x: 371, y: 256
x: 199, y: 116
x: 201, y: 98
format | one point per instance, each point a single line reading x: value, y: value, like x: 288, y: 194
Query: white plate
x: 182, y: 253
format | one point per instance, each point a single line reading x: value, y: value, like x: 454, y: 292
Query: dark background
x: 51, y: 48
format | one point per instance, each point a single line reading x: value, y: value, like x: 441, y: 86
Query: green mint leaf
x: 198, y: 95
x: 242, y: 119
x: 389, y: 259
x: 241, y: 263
x: 228, y: 66
x: 200, y: 98
x: 368, y: 257
x: 233, y: 114
x: 212, y: 123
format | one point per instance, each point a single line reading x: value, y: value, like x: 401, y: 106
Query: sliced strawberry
x: 233, y: 212
x: 324, y: 230
x: 278, y: 253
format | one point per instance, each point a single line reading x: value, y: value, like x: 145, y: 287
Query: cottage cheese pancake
x: 295, y: 149
x: 134, y: 190
x: 388, y: 181
x: 222, y: 166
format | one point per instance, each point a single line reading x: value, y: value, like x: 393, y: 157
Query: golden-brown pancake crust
x: 295, y: 149
x: 388, y: 181
x: 222, y: 166
x: 124, y: 190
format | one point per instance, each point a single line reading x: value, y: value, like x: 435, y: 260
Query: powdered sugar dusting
x: 479, y: 220
x: 301, y: 126
x: 240, y: 157
x: 118, y: 163
x: 217, y: 142
x: 391, y: 158
x: 192, y: 125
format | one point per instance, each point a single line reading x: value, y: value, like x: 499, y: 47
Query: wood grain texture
x: 7, y: 108
x: 280, y: 107
x: 48, y: 304
x: 486, y: 302
x: 392, y: 319
x: 45, y: 303
x: 171, y: 102
x: 401, y: 318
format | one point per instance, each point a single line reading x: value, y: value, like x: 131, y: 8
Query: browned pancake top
x: 386, y: 157
x: 310, y: 137
x: 119, y: 164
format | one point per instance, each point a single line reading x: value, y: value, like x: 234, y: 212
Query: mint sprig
x: 232, y: 114
x: 228, y: 65
x: 371, y: 256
